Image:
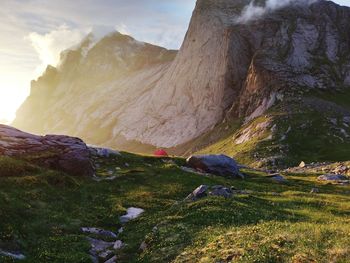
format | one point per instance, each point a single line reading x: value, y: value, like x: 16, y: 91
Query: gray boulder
x: 221, y: 165
x: 63, y: 153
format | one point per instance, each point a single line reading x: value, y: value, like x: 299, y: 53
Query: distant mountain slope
x: 226, y: 71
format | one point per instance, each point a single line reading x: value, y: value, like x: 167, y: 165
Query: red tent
x: 160, y: 153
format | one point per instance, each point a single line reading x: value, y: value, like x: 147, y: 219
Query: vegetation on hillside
x: 42, y: 212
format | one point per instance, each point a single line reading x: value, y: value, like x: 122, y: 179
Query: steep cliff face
x: 121, y: 92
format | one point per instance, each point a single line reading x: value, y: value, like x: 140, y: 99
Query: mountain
x: 270, y: 90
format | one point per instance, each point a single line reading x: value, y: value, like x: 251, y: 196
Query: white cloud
x: 122, y: 28
x: 49, y: 46
x: 252, y: 11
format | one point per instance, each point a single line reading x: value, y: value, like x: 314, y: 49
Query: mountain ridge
x: 224, y: 72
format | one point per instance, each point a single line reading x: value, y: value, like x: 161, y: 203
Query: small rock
x: 105, y: 152
x: 199, y: 192
x: 98, y: 231
x: 220, y: 190
x: 112, y: 260
x: 13, y: 255
x: 118, y: 244
x: 143, y: 246
x: 127, y: 165
x: 132, y: 213
x: 278, y: 178
x: 302, y: 164
x: 332, y: 177
x: 105, y: 255
x: 97, y: 246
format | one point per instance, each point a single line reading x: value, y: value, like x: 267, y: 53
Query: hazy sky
x: 33, y: 32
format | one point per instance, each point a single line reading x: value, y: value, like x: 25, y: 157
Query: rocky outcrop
x: 221, y: 165
x: 123, y: 93
x: 67, y: 154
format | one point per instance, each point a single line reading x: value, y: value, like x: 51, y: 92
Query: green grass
x: 42, y: 211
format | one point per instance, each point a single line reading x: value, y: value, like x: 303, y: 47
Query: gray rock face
x: 139, y: 94
x: 221, y: 165
x: 67, y: 154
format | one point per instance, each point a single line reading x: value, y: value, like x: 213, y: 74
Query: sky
x: 34, y: 32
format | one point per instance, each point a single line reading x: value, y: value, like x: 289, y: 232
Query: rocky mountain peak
x: 140, y: 94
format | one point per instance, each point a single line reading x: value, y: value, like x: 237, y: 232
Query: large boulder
x: 221, y: 165
x: 63, y: 153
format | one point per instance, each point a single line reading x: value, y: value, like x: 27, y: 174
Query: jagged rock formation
x: 67, y: 154
x: 225, y: 70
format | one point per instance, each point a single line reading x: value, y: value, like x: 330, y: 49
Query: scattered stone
x: 120, y: 230
x: 314, y: 191
x: 127, y: 165
x: 13, y: 255
x: 199, y: 192
x: 112, y: 260
x: 132, y: 213
x: 105, y: 255
x: 103, y: 152
x: 332, y: 177
x: 217, y: 190
x: 302, y: 164
x: 100, y: 179
x: 277, y: 178
x: 220, y: 190
x: 98, y: 246
x: 143, y: 246
x: 98, y: 231
x: 118, y: 244
x: 63, y: 153
x: 221, y: 165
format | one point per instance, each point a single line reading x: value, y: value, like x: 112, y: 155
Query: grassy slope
x: 311, y: 137
x: 42, y: 211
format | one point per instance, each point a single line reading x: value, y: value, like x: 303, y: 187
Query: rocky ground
x: 147, y: 209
